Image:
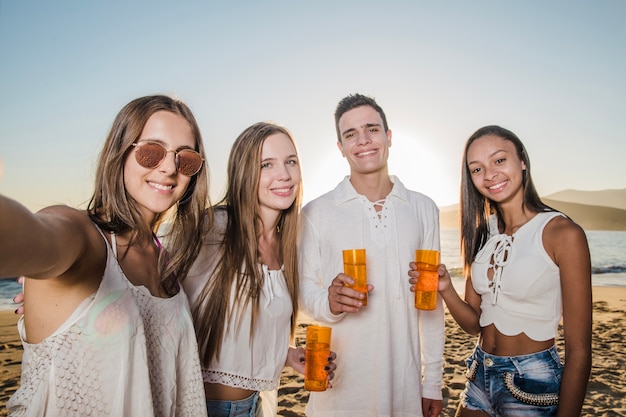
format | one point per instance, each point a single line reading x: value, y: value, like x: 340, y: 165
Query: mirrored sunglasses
x: 151, y: 154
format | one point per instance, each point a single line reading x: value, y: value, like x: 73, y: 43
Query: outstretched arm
x: 41, y: 245
x: 61, y: 253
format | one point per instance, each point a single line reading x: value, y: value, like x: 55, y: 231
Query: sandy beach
x: 606, y: 395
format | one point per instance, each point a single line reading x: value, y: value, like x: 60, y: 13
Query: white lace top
x: 122, y: 352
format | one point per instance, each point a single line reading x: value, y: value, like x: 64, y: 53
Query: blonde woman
x: 244, y: 286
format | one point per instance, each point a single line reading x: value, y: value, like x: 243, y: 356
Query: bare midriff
x: 498, y: 344
x: 222, y: 392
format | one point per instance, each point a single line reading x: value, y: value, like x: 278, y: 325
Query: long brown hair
x: 475, y: 208
x: 114, y: 210
x: 238, y: 254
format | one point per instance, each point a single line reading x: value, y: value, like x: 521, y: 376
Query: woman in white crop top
x: 526, y: 267
x: 243, y: 287
x: 106, y: 329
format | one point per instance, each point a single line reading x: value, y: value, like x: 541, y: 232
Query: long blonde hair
x: 238, y: 254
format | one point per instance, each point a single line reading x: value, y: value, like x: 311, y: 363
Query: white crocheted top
x: 122, y: 352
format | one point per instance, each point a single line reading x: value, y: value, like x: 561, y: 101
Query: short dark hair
x: 353, y: 101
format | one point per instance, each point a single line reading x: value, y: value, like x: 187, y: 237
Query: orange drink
x: 316, y: 357
x: 354, y: 266
x: 426, y: 288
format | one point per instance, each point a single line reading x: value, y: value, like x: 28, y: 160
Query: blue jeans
x: 239, y: 408
x: 525, y: 385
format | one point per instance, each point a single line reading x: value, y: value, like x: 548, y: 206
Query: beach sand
x: 10, y: 358
x: 606, y: 395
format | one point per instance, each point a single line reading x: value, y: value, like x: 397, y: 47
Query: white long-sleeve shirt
x: 389, y: 355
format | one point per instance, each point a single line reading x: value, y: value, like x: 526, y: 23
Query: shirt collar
x: 345, y: 191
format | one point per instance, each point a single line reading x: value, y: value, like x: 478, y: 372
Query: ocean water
x: 8, y: 289
x: 608, y: 262
x: 608, y: 257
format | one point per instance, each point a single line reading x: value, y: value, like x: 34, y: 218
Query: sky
x: 553, y: 72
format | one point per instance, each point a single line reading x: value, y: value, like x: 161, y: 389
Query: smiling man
x: 389, y: 355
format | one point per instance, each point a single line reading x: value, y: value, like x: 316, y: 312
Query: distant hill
x: 606, y: 198
x: 589, y: 217
x: 449, y: 217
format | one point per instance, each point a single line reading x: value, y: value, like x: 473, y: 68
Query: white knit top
x: 123, y: 352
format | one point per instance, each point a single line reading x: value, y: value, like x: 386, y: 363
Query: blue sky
x: 551, y: 71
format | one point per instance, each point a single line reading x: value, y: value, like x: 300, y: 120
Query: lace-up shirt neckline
x: 500, y: 247
x: 518, y: 282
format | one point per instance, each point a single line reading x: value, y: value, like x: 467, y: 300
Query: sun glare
x: 422, y: 167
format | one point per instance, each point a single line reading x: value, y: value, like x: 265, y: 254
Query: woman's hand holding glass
x: 296, y: 360
x: 445, y: 281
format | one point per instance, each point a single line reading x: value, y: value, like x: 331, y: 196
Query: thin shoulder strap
x: 114, y: 244
x: 106, y: 242
x: 157, y: 241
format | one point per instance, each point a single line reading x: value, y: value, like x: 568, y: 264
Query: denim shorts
x: 239, y: 408
x: 525, y: 385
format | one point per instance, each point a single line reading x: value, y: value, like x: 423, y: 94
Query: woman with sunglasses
x: 244, y: 286
x: 106, y: 329
x: 526, y: 267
